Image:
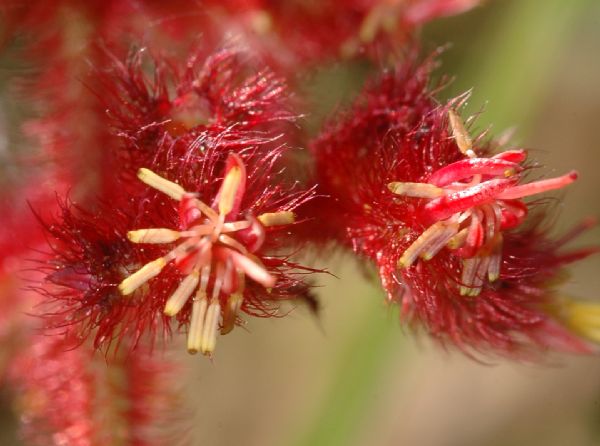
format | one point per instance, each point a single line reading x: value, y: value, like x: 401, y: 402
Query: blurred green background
x: 354, y: 377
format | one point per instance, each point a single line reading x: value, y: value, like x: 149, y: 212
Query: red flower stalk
x: 54, y: 393
x: 439, y: 216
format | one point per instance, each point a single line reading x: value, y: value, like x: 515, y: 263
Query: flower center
x: 468, y: 205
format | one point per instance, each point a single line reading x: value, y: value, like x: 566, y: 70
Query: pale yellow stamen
x: 495, y: 258
x: 494, y: 267
x: 232, y: 243
x: 469, y: 271
x: 428, y: 243
x: 206, y: 210
x: 459, y: 239
x: 194, y: 339
x: 460, y: 133
x: 199, y: 307
x: 155, y: 235
x: 161, y: 184
x: 182, y: 294
x: 140, y: 277
x: 480, y: 275
x: 211, y: 324
x: 236, y: 226
x: 415, y: 190
x: 277, y: 218
x: 231, y: 183
x: 436, y: 244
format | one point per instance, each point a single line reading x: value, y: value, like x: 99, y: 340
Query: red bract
x: 439, y: 216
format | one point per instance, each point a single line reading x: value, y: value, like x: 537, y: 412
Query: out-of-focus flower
x: 70, y: 396
x: 442, y: 218
x: 223, y: 98
x: 294, y: 34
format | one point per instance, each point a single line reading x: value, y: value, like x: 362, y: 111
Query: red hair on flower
x: 179, y: 108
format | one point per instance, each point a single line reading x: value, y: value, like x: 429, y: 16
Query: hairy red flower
x: 440, y: 216
x: 219, y: 249
x: 125, y: 273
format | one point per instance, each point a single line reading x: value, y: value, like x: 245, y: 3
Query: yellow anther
x: 428, y: 243
x: 194, y: 339
x: 182, y: 294
x: 140, y: 277
x: 157, y: 235
x: 211, y: 325
x: 415, y: 190
x: 277, y: 218
x: 161, y: 184
x: 459, y: 239
x: 231, y: 183
x: 460, y: 133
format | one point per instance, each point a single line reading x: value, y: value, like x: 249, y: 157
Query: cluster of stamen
x: 469, y: 203
x: 214, y: 252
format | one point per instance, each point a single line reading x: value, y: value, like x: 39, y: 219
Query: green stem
x: 355, y: 379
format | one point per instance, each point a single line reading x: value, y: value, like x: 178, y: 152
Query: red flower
x: 218, y: 250
x: 220, y: 244
x: 440, y: 216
